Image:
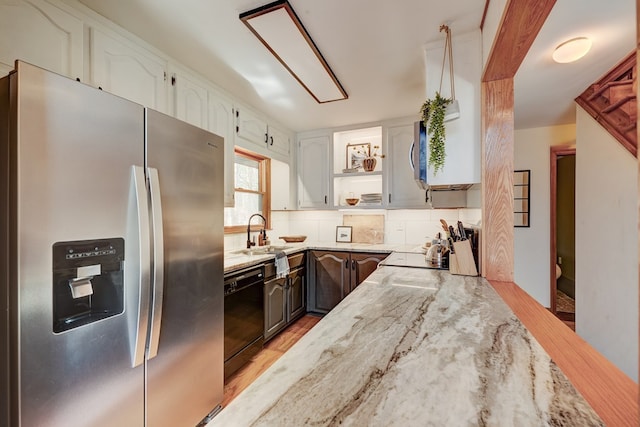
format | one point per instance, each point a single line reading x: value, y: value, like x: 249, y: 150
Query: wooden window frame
x: 264, y: 171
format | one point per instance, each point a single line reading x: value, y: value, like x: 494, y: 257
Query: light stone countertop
x: 413, y: 347
x: 233, y: 260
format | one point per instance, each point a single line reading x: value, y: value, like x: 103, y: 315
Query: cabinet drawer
x: 296, y: 260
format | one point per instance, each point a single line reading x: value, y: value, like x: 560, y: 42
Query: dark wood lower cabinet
x: 330, y: 279
x: 285, y: 297
x: 275, y: 308
x: 297, y: 302
x: 333, y: 275
x: 362, y: 265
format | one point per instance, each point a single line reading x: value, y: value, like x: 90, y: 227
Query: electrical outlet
x: 559, y: 260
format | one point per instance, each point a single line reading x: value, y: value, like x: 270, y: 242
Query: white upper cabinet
x: 279, y: 141
x: 264, y: 137
x: 37, y: 32
x: 190, y: 99
x: 128, y: 70
x: 221, y: 122
x: 313, y: 172
x: 401, y: 186
x: 251, y: 127
x: 280, y: 186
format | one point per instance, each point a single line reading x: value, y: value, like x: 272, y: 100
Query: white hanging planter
x: 452, y: 111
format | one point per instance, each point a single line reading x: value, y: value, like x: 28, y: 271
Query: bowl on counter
x: 352, y: 201
x: 293, y: 239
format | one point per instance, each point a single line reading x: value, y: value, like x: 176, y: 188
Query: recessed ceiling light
x: 571, y: 50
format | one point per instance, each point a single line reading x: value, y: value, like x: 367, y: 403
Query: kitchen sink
x: 261, y: 250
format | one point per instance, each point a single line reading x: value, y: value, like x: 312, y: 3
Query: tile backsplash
x: 402, y: 226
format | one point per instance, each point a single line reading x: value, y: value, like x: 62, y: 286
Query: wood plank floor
x: 267, y: 357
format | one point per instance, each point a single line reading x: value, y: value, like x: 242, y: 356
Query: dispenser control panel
x: 88, y: 282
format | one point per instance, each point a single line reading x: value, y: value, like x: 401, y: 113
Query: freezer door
x: 75, y: 147
x: 185, y: 377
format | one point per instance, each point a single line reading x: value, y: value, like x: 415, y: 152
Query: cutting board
x: 365, y: 228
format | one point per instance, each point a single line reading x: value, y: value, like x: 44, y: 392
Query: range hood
x: 454, y: 196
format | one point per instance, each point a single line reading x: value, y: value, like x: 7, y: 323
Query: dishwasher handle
x: 243, y: 280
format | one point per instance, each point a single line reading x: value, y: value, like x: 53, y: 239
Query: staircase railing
x: 612, y: 102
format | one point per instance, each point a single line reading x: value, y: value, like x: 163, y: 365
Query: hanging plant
x: 433, y: 112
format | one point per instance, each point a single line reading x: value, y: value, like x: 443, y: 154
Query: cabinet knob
x: 266, y: 138
x: 271, y: 139
x: 353, y: 264
x: 346, y: 264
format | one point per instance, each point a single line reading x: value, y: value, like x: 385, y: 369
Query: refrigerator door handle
x: 158, y: 263
x: 139, y: 270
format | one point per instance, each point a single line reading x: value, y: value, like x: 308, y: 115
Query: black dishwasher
x: 243, y: 317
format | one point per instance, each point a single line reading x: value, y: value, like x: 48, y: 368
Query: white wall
x: 606, y: 244
x: 532, y: 245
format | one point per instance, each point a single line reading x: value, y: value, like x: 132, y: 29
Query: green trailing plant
x: 433, y: 112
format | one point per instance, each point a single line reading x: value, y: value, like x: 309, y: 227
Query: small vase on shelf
x: 369, y: 164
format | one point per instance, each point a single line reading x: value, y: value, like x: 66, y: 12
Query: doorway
x: 562, y: 262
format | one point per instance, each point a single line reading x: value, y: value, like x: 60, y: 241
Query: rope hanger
x: 448, y: 53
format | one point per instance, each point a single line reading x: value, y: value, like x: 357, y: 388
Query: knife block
x: 462, y: 262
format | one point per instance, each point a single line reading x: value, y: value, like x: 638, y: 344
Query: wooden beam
x: 638, y: 139
x: 521, y: 21
x: 497, y: 180
x: 520, y: 24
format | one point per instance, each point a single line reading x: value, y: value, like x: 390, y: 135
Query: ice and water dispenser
x: 88, y: 282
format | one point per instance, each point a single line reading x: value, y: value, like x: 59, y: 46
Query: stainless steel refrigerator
x: 111, y: 271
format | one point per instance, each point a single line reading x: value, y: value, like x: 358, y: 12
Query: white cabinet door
x: 263, y: 137
x: 37, y: 32
x: 279, y: 141
x: 221, y: 122
x: 280, y: 188
x: 313, y: 172
x: 403, y: 192
x: 251, y: 127
x: 128, y: 71
x: 190, y: 99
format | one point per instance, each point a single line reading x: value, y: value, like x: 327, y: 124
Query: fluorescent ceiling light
x: 571, y: 50
x: 279, y: 29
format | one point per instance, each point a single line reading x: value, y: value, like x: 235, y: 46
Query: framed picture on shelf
x: 356, y: 153
x: 343, y: 234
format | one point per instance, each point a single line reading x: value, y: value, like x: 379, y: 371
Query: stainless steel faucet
x: 264, y: 233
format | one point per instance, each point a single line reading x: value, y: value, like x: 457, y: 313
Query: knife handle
x: 463, y: 235
x: 452, y: 232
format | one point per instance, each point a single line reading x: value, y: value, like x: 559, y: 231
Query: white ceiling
x: 545, y: 90
x: 375, y: 48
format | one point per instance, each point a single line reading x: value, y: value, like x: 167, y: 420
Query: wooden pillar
x: 521, y: 21
x: 497, y: 179
x: 638, y: 156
